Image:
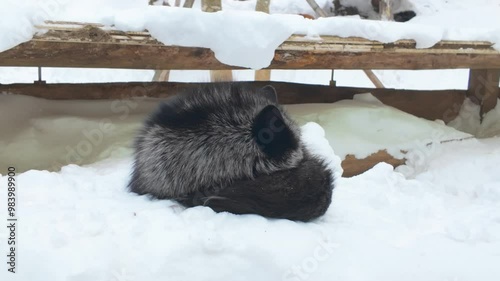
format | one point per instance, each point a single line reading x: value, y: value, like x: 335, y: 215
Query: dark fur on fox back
x: 234, y: 143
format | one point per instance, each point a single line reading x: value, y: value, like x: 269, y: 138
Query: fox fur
x: 233, y: 148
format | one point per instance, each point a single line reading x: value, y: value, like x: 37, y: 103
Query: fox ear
x: 272, y: 134
x: 269, y: 92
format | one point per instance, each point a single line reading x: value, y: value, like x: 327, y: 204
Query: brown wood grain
x: 295, y: 53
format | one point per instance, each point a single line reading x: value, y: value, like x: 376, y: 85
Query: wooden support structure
x: 432, y: 105
x: 216, y: 75
x: 96, y: 48
x: 483, y: 88
x: 385, y: 9
x: 263, y: 6
x: 91, y: 46
x: 374, y: 79
x: 317, y: 9
x: 211, y: 5
x: 188, y: 4
x: 161, y: 75
x: 263, y: 75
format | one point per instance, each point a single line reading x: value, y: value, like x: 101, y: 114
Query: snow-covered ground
x: 435, y: 218
x: 441, y: 224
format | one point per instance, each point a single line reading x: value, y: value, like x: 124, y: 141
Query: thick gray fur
x: 174, y: 161
x: 208, y: 142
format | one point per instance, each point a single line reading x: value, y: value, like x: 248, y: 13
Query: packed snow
x: 435, y: 218
x: 442, y: 224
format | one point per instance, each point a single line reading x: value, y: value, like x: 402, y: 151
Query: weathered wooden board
x: 431, y: 105
x: 73, y: 46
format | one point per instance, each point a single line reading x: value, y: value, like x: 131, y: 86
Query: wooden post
x: 161, y: 75
x: 216, y: 75
x: 483, y: 88
x: 188, y: 4
x: 373, y: 77
x: 385, y: 9
x: 264, y: 74
x: 317, y: 9
x: 262, y: 6
x: 221, y: 75
x: 211, y: 5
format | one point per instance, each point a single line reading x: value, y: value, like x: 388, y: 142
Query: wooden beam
x: 262, y: 6
x: 77, y: 45
x: 431, y: 105
x: 211, y: 5
x: 263, y: 75
x: 221, y: 75
x: 290, y: 55
x: 374, y: 79
x: 483, y: 88
x: 161, y: 75
x: 385, y: 9
x: 317, y: 9
x: 188, y: 4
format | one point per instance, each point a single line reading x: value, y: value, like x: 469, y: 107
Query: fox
x: 231, y: 147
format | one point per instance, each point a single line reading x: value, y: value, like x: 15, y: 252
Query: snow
x: 441, y: 224
x: 244, y: 43
x: 17, y: 21
x: 435, y: 218
x: 364, y: 126
x: 469, y: 121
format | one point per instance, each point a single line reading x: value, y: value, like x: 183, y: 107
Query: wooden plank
x: 483, y: 88
x: 221, y: 75
x: 290, y: 55
x: 431, y: 105
x: 263, y: 75
x: 374, y: 79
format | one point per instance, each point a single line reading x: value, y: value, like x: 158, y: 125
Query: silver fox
x: 233, y: 148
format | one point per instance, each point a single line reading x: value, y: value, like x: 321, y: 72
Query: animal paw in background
x: 402, y: 10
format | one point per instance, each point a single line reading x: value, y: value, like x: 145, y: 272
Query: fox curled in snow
x: 232, y: 148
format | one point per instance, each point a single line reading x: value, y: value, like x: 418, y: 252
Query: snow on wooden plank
x: 71, y: 45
